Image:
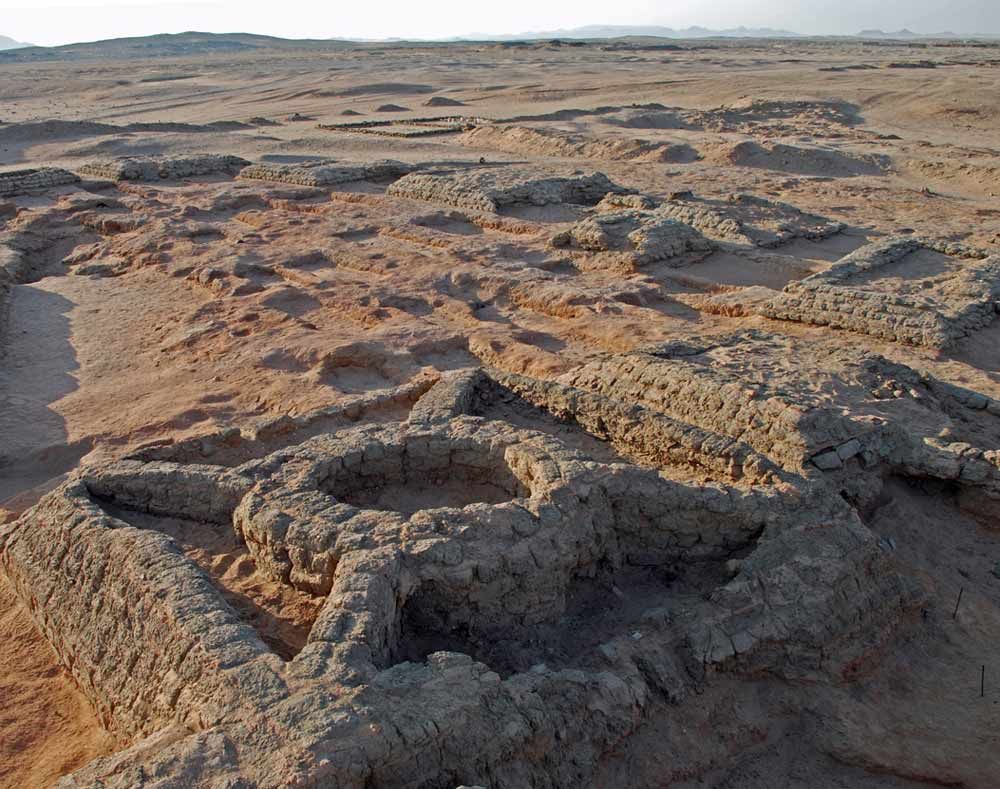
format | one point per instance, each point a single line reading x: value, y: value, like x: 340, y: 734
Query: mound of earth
x: 526, y: 140
x: 796, y: 159
x: 443, y: 101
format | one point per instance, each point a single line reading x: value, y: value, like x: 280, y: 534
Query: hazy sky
x: 63, y: 21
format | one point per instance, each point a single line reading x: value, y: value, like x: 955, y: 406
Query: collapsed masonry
x: 508, y: 584
x: 548, y: 142
x: 630, y: 239
x: 490, y: 190
x: 467, y: 566
x: 629, y: 231
x: 748, y: 220
x: 934, y: 311
x: 885, y: 416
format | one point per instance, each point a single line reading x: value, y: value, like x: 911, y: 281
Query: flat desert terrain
x: 547, y: 414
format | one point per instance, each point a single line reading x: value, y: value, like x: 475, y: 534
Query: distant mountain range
x: 645, y: 31
x: 656, y: 31
x: 166, y: 45
x: 194, y: 43
x: 9, y: 43
x: 904, y: 35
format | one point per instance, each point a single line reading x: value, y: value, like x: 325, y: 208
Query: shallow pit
x: 412, y: 496
x: 452, y: 222
x: 914, y: 274
x: 410, y: 477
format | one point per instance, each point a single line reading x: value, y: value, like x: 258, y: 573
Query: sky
x: 52, y: 22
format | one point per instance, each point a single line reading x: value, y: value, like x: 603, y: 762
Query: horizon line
x: 765, y: 32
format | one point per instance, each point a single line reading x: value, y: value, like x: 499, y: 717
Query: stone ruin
x: 629, y: 231
x: 934, y: 311
x: 748, y: 220
x: 895, y: 420
x: 149, y: 168
x: 490, y: 190
x: 629, y: 239
x: 461, y: 563
x: 324, y: 173
x: 17, y: 182
x: 549, y: 142
x: 508, y: 579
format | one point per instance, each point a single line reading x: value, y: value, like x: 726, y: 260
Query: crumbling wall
x: 627, y: 240
x: 748, y: 220
x: 936, y: 320
x: 490, y: 190
x: 469, y: 576
x: 140, y: 168
x: 545, y: 142
x: 325, y: 173
x: 139, y: 628
x: 16, y: 182
x: 701, y: 396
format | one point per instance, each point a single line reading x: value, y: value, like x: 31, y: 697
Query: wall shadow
x: 37, y: 361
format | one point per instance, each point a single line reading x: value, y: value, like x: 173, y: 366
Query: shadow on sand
x: 37, y: 360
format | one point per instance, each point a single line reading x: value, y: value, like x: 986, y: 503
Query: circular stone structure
x: 438, y: 497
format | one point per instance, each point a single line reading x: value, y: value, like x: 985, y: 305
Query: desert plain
x: 606, y: 413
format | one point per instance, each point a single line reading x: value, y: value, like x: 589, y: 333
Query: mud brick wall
x: 645, y: 433
x: 964, y: 305
x: 21, y: 181
x: 140, y: 629
x: 324, y: 174
x: 713, y: 401
x: 151, y: 169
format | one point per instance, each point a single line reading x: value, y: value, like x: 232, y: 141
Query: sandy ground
x: 48, y: 729
x: 297, y: 298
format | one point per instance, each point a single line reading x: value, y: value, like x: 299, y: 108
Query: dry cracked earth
x: 503, y: 416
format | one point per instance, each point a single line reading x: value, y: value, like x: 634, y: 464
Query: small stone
x: 827, y: 461
x: 976, y: 401
x: 849, y: 450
